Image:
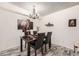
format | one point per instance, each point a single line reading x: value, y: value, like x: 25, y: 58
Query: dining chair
x: 38, y: 43
x: 47, y: 40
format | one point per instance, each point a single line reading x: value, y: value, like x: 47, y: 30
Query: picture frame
x: 20, y: 26
x: 72, y: 23
x: 19, y: 23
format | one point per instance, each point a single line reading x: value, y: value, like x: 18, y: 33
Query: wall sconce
x: 49, y: 24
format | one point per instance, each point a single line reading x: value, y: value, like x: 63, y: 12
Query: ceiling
x: 45, y: 8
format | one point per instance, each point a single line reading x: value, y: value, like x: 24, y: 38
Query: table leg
x: 21, y: 49
x: 28, y: 49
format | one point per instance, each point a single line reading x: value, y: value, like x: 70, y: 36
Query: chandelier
x: 34, y: 14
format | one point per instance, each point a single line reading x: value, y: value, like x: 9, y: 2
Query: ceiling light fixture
x: 34, y: 14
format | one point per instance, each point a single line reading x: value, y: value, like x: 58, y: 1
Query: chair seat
x: 32, y: 43
x: 33, y: 46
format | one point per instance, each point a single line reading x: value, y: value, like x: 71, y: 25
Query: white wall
x: 62, y: 34
x: 9, y: 35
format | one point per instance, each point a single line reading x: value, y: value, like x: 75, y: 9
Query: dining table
x: 28, y: 39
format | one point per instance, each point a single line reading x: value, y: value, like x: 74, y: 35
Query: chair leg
x: 35, y: 52
x: 28, y: 49
x: 45, y: 48
x: 50, y: 44
x: 42, y: 50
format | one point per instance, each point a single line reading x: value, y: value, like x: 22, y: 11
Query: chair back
x: 39, y: 41
x: 34, y: 32
x: 48, y: 37
x: 27, y: 32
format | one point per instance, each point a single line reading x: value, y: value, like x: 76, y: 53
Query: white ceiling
x: 45, y: 8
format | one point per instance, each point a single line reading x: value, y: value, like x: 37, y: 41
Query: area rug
x: 55, y: 50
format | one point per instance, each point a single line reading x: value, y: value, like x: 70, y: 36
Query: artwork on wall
x: 72, y: 23
x: 24, y: 25
x: 31, y: 26
x: 21, y: 23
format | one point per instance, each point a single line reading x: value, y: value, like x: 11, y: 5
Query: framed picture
x: 31, y: 26
x: 24, y: 23
x: 72, y: 23
x: 21, y: 23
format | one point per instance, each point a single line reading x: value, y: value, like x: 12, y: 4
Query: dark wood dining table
x: 28, y: 39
